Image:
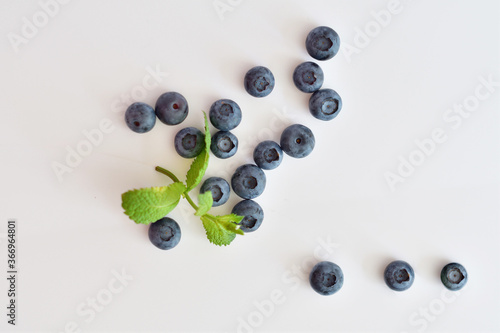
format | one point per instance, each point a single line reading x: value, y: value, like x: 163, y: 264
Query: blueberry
x: 252, y: 212
x: 322, y: 43
x: 454, y: 276
x: 224, y: 144
x: 248, y: 181
x: 189, y: 142
x: 399, y: 275
x: 297, y: 141
x: 259, y: 81
x: 140, y: 117
x: 164, y: 233
x: 308, y: 77
x: 171, y: 108
x: 326, y: 278
x: 268, y: 155
x: 219, y: 188
x: 225, y: 114
x: 325, y: 104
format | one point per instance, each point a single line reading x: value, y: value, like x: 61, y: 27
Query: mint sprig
x: 148, y: 205
x: 200, y: 163
x: 221, y: 230
x: 205, y: 202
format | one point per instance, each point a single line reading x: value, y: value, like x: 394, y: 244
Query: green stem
x: 175, y: 179
x: 167, y: 173
x: 188, y: 198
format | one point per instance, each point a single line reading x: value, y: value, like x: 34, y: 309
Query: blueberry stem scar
x: 175, y: 179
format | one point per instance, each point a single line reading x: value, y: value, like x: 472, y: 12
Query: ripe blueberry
x: 171, y: 108
x: 219, y: 188
x: 297, y: 141
x: 140, y: 117
x: 399, y: 275
x: 454, y: 276
x: 326, y: 278
x: 252, y: 212
x: 259, y: 81
x: 325, y: 104
x: 308, y: 77
x: 164, y: 233
x: 224, y: 144
x: 268, y: 155
x: 225, y: 114
x: 248, y: 181
x: 322, y: 43
x: 189, y: 142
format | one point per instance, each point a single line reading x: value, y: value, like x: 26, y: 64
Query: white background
x: 396, y: 87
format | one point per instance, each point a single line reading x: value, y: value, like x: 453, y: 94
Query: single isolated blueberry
x: 268, y: 155
x: 164, y: 233
x: 454, y: 276
x: 297, y: 141
x: 140, y: 117
x: 326, y: 278
x: 259, y: 81
x: 308, y: 77
x: 325, y: 104
x: 252, y: 212
x: 399, y: 275
x: 219, y: 188
x: 171, y: 108
x: 322, y: 43
x: 224, y: 144
x: 225, y: 114
x: 248, y: 181
x: 189, y: 142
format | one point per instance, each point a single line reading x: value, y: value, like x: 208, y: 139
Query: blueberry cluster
x: 297, y: 141
x: 171, y: 108
x: 249, y: 180
x: 326, y: 278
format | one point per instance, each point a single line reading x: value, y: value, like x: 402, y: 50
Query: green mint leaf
x: 230, y: 226
x: 230, y: 222
x: 205, y: 202
x: 148, y: 205
x: 200, y: 163
x: 216, y: 233
x: 230, y: 218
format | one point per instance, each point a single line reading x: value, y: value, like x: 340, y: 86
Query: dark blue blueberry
x: 224, y: 144
x: 189, y: 142
x: 399, y: 275
x: 252, y: 212
x: 325, y: 104
x: 164, y: 233
x: 248, y: 181
x: 454, y: 276
x: 225, y: 114
x: 326, y: 278
x: 268, y: 155
x: 219, y: 188
x: 322, y: 43
x: 308, y: 77
x: 140, y: 117
x: 297, y: 141
x: 171, y: 108
x: 259, y: 81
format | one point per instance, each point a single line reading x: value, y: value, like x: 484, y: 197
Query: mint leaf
x: 230, y: 218
x: 230, y: 226
x: 200, y: 163
x: 148, y: 205
x: 205, y: 202
x: 216, y: 233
